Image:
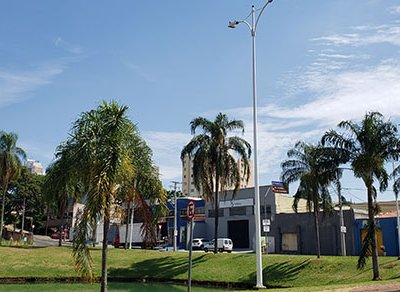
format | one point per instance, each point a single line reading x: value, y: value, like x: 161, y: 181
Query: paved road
x: 42, y: 240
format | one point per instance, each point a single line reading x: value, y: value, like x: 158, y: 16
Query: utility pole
x: 176, y: 183
x: 342, y: 226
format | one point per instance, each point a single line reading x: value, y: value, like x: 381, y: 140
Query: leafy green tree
x: 369, y: 145
x: 214, y: 166
x: 315, y: 169
x: 10, y: 166
x: 27, y: 188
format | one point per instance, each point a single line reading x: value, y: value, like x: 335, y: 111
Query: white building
x: 34, y: 167
x: 190, y: 190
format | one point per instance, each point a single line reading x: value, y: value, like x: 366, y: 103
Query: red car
x: 57, y: 235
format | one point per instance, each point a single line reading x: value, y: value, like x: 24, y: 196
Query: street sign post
x: 190, y: 212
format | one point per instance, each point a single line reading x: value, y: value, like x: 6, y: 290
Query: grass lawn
x: 279, y: 270
x: 120, y: 287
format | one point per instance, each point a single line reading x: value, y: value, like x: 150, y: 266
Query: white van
x: 224, y: 244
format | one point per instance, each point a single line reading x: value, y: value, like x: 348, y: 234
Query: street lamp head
x: 232, y: 24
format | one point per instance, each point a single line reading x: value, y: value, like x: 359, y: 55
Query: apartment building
x: 34, y: 167
x: 189, y: 189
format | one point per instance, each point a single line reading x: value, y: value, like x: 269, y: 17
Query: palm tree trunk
x: 2, y: 213
x: 317, y: 239
x: 60, y: 237
x: 371, y: 223
x: 216, y: 212
x: 127, y: 225
x: 106, y: 227
x: 94, y: 233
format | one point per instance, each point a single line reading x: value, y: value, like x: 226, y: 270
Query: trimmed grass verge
x: 229, y: 270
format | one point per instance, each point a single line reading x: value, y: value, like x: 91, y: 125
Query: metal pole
x: 190, y: 256
x: 175, y: 216
x: 342, y: 226
x: 398, y: 224
x: 397, y: 213
x: 259, y: 283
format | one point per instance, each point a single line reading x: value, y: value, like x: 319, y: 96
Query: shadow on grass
x: 278, y: 273
x: 140, y: 287
x: 23, y: 246
x: 166, y: 268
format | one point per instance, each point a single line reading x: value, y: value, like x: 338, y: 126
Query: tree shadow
x: 144, y: 287
x: 165, y: 268
x: 280, y: 272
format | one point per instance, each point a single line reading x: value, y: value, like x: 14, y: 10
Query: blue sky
x: 319, y: 62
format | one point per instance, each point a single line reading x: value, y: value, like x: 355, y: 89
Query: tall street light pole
x: 253, y: 28
x: 175, y: 215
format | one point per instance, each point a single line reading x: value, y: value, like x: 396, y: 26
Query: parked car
x: 199, y: 243
x: 223, y: 244
x: 56, y: 235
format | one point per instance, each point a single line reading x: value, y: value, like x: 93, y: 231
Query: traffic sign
x: 190, y: 210
x: 266, y: 222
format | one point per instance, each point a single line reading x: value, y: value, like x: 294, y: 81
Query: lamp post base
x: 259, y: 287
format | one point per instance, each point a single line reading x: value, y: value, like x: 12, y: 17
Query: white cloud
x: 348, y: 95
x: 139, y: 71
x: 61, y: 43
x: 17, y: 85
x: 394, y: 9
x: 364, y: 35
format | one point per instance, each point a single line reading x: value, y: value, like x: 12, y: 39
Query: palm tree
x: 314, y: 168
x: 102, y: 154
x: 214, y: 166
x: 10, y: 166
x: 98, y: 151
x: 142, y: 188
x: 369, y: 145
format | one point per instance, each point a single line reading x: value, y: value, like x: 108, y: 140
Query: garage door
x: 238, y: 231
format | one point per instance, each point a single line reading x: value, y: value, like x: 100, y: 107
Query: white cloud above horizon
x: 17, y: 85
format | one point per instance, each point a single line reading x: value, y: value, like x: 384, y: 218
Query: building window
x: 199, y: 211
x: 265, y: 210
x: 220, y: 213
x: 238, y: 211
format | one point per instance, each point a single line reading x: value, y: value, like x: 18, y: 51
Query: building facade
x: 190, y: 190
x: 34, y: 167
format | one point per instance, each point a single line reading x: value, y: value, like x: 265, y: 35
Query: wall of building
x: 388, y: 229
x: 299, y: 229
x: 188, y: 187
x: 237, y: 215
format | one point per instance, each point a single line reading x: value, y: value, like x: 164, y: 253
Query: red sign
x: 190, y: 210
